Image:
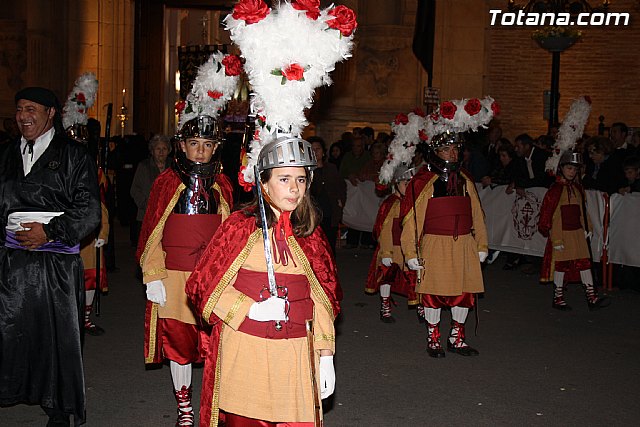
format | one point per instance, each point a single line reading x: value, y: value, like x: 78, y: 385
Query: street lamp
x: 559, y: 41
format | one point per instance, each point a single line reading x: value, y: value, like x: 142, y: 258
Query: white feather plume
x: 81, y: 98
x: 212, y: 89
x: 285, y: 37
x: 403, y: 146
x: 570, y: 130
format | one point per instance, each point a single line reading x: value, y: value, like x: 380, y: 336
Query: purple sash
x: 56, y: 247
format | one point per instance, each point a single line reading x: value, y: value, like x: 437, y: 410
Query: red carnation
x: 311, y: 6
x: 214, y: 94
x: 244, y: 184
x: 401, y: 119
x: 344, y: 21
x: 419, y: 112
x: 232, y: 65
x: 448, y: 110
x: 250, y: 11
x: 423, y: 135
x: 80, y: 98
x: 180, y: 106
x: 435, y: 117
x: 293, y: 72
x: 588, y: 99
x: 473, y: 106
x: 495, y: 107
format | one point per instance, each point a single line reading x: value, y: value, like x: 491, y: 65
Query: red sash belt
x: 448, y: 216
x: 185, y: 237
x: 300, y: 304
x: 396, y: 231
x: 570, y: 215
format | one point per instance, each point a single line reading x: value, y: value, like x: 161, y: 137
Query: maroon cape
x: 225, y: 246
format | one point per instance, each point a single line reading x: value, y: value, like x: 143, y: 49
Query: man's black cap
x: 39, y: 95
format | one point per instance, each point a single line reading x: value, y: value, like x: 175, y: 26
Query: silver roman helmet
x: 206, y: 127
x: 570, y: 158
x: 445, y: 139
x: 403, y: 173
x: 285, y: 151
x: 78, y: 132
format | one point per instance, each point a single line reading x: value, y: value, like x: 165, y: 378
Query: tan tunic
x: 275, y: 373
x: 385, y: 240
x: 88, y: 249
x: 452, y: 267
x: 574, y: 242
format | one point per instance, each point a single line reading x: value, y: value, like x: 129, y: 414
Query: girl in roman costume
x: 443, y: 209
x: 74, y: 120
x: 386, y: 272
x: 187, y: 204
x: 563, y: 217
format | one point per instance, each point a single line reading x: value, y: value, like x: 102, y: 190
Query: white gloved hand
x: 327, y: 377
x: 559, y: 248
x: 156, y: 292
x: 483, y: 256
x: 386, y: 262
x: 271, y: 309
x: 587, y: 234
x: 99, y: 243
x: 414, y: 264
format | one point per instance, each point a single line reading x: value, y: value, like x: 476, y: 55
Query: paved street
x: 537, y: 366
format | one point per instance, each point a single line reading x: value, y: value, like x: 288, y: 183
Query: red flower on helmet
x: 311, y: 6
x: 244, y: 184
x: 401, y: 119
x: 80, y: 98
x: 495, y: 107
x: 232, y: 65
x: 423, y: 135
x: 419, y: 112
x: 293, y: 72
x: 180, y: 106
x: 473, y: 106
x: 448, y: 110
x: 250, y: 11
x: 344, y: 21
x: 214, y: 94
x: 588, y: 99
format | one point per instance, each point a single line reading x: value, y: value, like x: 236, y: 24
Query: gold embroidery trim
x: 325, y: 337
x: 229, y: 275
x: 158, y: 229
x: 215, y: 401
x: 155, y: 271
x: 224, y: 206
x: 153, y: 324
x: 234, y: 308
x: 316, y: 288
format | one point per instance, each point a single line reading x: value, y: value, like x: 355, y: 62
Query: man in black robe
x: 49, y: 201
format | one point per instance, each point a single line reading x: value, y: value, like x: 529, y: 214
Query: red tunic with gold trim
x: 562, y: 221
x: 88, y: 251
x: 224, y: 285
x: 387, y: 231
x: 170, y: 245
x: 451, y: 232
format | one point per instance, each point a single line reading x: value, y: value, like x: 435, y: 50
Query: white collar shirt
x: 40, y: 145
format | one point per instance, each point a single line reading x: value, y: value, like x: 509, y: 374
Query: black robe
x: 42, y: 293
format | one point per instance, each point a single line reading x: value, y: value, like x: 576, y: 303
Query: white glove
x: 271, y: 309
x: 587, y: 234
x: 327, y: 377
x: 559, y: 248
x: 386, y: 262
x: 156, y: 292
x: 483, y: 256
x: 414, y: 264
x: 99, y: 243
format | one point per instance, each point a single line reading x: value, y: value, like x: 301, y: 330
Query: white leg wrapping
x: 89, y: 296
x: 459, y: 314
x: 385, y: 291
x: 180, y: 374
x: 586, y: 277
x: 558, y: 278
x: 432, y: 315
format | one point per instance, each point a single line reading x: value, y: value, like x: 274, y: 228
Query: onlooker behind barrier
x: 631, y: 167
x: 530, y: 169
x: 336, y: 152
x: 504, y: 173
x: 604, y: 172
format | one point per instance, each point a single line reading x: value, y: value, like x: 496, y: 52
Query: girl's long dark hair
x: 304, y: 219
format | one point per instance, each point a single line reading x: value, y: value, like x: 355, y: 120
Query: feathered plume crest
x: 461, y: 115
x: 213, y: 87
x: 81, y: 98
x: 571, y: 129
x: 289, y: 51
x: 409, y: 130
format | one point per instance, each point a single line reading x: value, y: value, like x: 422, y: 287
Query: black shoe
x: 435, y: 352
x: 601, y: 302
x: 462, y: 351
x: 563, y: 307
x: 93, y: 330
x: 387, y: 319
x: 58, y: 421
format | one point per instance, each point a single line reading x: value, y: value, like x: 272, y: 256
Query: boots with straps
x: 185, y: 410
